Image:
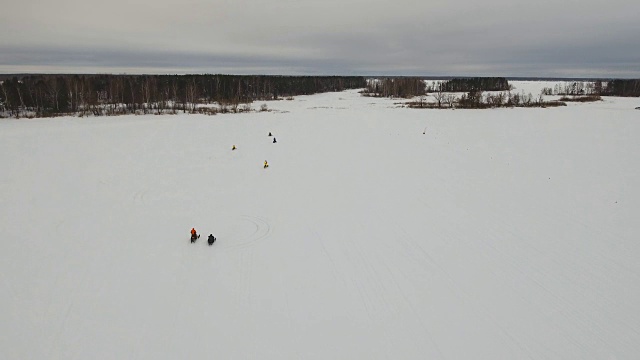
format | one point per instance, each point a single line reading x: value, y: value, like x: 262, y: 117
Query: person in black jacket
x: 211, y: 239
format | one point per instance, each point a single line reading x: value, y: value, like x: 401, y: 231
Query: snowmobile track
x: 262, y: 230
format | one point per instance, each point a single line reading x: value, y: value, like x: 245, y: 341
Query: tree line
x: 395, y: 87
x: 407, y: 87
x: 615, y: 87
x: 475, y: 84
x: 619, y: 87
x: 53, y: 95
x: 476, y: 99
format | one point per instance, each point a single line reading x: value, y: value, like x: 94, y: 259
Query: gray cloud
x: 494, y: 37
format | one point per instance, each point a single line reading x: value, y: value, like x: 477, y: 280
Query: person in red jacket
x: 194, y: 235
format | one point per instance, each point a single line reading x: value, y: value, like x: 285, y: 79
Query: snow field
x: 497, y: 234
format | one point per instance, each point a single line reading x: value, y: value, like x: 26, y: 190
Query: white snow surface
x: 496, y: 234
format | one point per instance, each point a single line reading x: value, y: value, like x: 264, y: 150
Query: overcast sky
x: 559, y: 38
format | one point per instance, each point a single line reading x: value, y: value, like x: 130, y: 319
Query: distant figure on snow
x: 233, y: 147
x: 211, y: 239
x: 274, y: 140
x: 266, y: 164
x: 194, y: 235
x: 270, y: 133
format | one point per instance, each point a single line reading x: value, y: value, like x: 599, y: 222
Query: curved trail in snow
x: 251, y: 229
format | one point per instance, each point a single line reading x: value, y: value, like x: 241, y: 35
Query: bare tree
x: 174, y: 93
x: 192, y: 94
x: 19, y: 91
x: 83, y: 103
x: 54, y: 91
x: 148, y: 84
x: 439, y: 94
x: 7, y: 104
x: 450, y: 99
x: 132, y: 89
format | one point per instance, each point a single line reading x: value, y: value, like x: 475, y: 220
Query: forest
x: 622, y: 87
x: 56, y: 95
x: 97, y: 95
x: 406, y: 87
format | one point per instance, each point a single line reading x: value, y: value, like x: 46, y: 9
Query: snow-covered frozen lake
x: 377, y: 232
